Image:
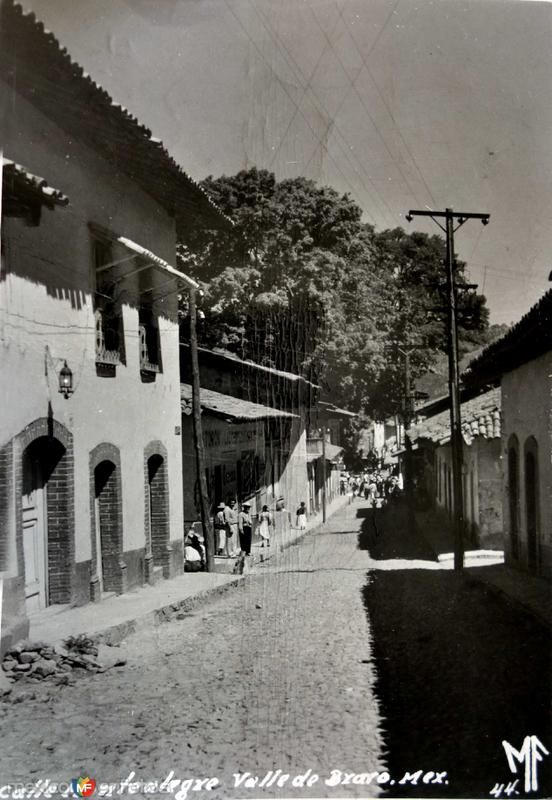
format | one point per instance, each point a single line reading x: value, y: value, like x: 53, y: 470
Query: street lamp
x: 65, y: 381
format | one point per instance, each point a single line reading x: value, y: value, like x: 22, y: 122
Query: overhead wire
x: 346, y: 147
x: 364, y: 59
x: 300, y: 77
x: 290, y: 98
x: 367, y: 111
x: 294, y: 115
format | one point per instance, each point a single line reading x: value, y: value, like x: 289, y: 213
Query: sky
x: 402, y: 104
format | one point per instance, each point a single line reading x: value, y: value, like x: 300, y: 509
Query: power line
x: 299, y: 74
x: 294, y: 115
x: 345, y: 147
x: 365, y: 107
x: 288, y: 95
x: 364, y: 60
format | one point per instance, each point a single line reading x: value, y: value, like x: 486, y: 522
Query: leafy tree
x: 303, y: 284
x: 416, y: 263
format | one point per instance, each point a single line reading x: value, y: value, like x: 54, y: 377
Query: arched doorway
x: 107, y: 504
x: 158, y: 518
x: 532, y: 504
x: 44, y: 490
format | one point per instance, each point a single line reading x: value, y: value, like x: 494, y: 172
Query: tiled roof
x: 17, y: 178
x: 480, y: 417
x: 41, y: 70
x: 530, y: 338
x: 224, y: 405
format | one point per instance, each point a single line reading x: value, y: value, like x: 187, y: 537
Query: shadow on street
x: 459, y: 670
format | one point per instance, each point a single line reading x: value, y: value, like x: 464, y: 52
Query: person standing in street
x: 220, y: 530
x: 231, y: 519
x: 302, y: 516
x: 265, y: 524
x: 372, y: 492
x: 245, y: 528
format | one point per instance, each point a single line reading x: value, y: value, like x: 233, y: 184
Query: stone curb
x: 513, y: 601
x: 114, y: 634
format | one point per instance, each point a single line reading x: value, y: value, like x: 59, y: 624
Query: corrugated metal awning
x: 156, y: 261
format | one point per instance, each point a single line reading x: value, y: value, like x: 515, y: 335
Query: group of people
x: 374, y: 487
x: 232, y: 524
x: 233, y: 527
x: 233, y: 533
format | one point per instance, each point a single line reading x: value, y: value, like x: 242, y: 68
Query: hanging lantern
x: 65, y: 381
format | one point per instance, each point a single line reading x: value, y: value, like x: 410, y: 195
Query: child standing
x: 302, y: 516
x: 265, y: 523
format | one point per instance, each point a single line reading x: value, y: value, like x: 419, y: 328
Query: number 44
x: 499, y: 789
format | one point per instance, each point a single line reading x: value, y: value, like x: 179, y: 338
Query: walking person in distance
x: 302, y: 516
x: 265, y: 524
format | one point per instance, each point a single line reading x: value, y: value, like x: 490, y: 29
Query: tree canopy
x: 303, y: 284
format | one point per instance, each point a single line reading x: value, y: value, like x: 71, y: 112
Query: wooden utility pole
x: 409, y: 471
x: 323, y: 475
x: 198, y: 440
x: 454, y: 377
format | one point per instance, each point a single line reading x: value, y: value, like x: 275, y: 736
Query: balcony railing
x: 103, y: 355
x: 146, y: 365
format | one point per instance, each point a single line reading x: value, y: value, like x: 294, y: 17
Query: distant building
x: 522, y: 362
x: 481, y: 475
x: 90, y: 457
x: 255, y: 421
x: 382, y: 441
x: 325, y: 460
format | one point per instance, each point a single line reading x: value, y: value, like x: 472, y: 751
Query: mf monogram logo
x: 531, y: 752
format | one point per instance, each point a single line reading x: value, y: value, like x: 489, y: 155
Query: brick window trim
x: 105, y: 452
x: 61, y: 576
x: 157, y: 527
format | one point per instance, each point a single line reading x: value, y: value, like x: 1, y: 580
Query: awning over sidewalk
x: 157, y: 261
x: 143, y: 259
x: 228, y: 407
x: 330, y: 410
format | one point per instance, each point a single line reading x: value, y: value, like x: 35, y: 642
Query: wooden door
x: 34, y: 536
x: 98, y: 534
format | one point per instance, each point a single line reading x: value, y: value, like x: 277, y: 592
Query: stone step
x: 224, y: 565
x: 157, y: 575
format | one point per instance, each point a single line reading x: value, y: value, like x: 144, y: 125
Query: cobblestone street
x: 274, y: 675
x: 352, y: 651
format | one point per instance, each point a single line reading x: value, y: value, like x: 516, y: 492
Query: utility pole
x: 323, y: 475
x: 450, y: 217
x: 198, y: 440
